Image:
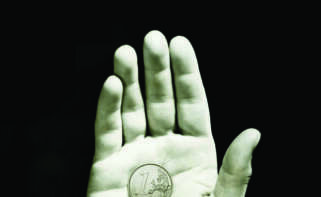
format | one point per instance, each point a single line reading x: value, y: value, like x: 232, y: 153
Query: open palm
x: 174, y: 131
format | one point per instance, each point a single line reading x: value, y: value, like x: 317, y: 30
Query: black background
x: 57, y: 66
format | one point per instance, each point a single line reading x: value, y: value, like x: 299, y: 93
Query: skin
x: 184, y: 146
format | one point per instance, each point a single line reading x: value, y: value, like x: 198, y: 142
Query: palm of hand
x: 188, y: 155
x: 190, y: 161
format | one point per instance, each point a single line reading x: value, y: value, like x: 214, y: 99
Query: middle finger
x: 159, y: 90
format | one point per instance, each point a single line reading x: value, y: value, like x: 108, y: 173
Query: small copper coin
x: 150, y: 180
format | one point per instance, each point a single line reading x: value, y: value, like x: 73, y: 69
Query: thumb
x: 236, y: 168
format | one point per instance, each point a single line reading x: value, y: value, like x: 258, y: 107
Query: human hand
x: 183, y: 146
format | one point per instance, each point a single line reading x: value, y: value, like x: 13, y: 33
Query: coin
x: 150, y: 180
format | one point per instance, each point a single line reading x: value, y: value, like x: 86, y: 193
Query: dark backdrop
x: 57, y: 67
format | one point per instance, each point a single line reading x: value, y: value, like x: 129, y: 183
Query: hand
x: 184, y: 147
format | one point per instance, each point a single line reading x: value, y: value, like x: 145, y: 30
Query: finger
x: 133, y: 113
x: 191, y: 102
x: 236, y: 169
x: 159, y: 90
x: 108, y: 125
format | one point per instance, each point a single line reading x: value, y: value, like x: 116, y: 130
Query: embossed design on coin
x: 150, y: 180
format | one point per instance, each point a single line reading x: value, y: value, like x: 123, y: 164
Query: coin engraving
x: 150, y: 180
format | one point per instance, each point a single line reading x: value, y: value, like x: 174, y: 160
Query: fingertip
x: 125, y: 64
x: 125, y: 54
x: 183, y: 56
x: 253, y: 135
x: 179, y: 40
x: 154, y: 35
x: 113, y: 87
x: 155, y: 42
x: 179, y: 43
x: 245, y: 143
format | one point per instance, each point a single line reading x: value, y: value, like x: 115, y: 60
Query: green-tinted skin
x: 188, y: 153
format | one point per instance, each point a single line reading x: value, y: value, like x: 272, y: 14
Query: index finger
x: 191, y: 102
